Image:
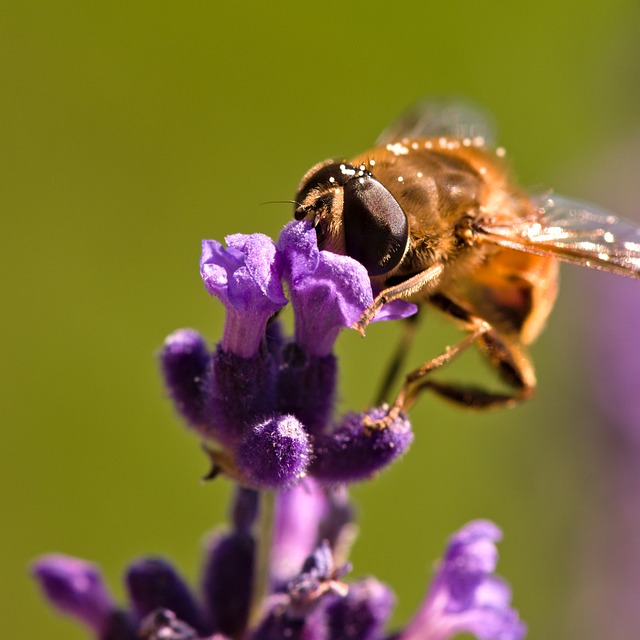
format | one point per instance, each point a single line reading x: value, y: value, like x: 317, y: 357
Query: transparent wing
x: 573, y: 232
x: 433, y: 117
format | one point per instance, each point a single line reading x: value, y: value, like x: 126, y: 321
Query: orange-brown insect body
x: 434, y: 218
x: 444, y: 185
x: 512, y: 290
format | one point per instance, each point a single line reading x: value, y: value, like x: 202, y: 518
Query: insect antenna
x: 281, y: 202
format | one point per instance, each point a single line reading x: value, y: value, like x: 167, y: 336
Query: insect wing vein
x: 572, y: 232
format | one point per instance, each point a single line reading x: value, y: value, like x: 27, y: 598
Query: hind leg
x: 508, y: 360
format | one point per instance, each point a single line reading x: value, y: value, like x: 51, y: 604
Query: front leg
x: 401, y: 291
x: 395, y: 365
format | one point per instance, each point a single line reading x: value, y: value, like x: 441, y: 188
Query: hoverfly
x: 432, y: 215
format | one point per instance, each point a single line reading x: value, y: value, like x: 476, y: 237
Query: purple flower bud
x: 464, y: 595
x: 328, y: 291
x: 307, y: 386
x: 275, y: 453
x: 352, y: 452
x: 362, y: 614
x: 246, y: 278
x: 298, y: 513
x: 185, y: 360
x: 227, y: 581
x: 75, y: 587
x: 154, y: 584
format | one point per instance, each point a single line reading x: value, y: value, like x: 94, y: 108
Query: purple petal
x: 246, y: 274
x: 470, y: 556
x: 246, y: 278
x: 298, y: 513
x: 227, y: 581
x: 75, y: 587
x: 275, y: 453
x: 464, y: 595
x: 493, y: 592
x: 328, y: 291
x: 352, y: 452
x: 489, y: 621
x: 396, y: 310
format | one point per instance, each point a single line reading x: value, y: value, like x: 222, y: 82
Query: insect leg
x: 509, y: 361
x: 409, y: 330
x: 403, y: 291
x: 416, y: 381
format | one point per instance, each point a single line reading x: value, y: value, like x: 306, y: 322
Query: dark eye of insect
x: 375, y: 226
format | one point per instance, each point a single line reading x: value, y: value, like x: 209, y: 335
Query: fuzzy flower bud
x: 352, y: 452
x: 275, y: 453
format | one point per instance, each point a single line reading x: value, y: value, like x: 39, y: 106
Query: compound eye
x: 376, y: 231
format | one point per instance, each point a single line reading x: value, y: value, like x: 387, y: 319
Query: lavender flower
x: 465, y: 595
x: 154, y: 587
x: 310, y: 602
x: 263, y: 404
x: 294, y: 538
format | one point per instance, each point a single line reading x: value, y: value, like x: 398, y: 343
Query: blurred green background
x: 131, y: 130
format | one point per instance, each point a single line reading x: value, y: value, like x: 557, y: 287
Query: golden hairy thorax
x: 441, y: 184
